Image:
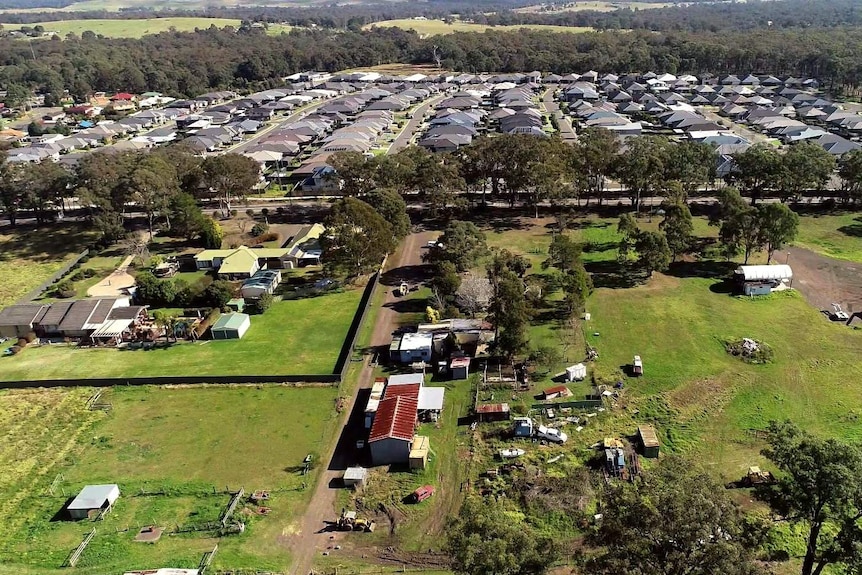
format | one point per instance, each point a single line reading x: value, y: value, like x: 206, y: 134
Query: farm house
x: 231, y: 326
x: 762, y: 280
x: 93, y: 498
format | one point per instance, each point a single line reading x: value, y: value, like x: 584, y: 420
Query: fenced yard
x: 177, y: 454
x: 293, y: 337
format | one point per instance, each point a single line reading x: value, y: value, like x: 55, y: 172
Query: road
x: 293, y: 117
x: 312, y: 536
x: 564, y: 124
x: 404, y: 138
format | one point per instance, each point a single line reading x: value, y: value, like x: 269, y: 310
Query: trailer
x: 637, y: 366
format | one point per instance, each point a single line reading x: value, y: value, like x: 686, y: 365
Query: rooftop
x: 395, y: 419
x: 94, y: 496
x: 231, y: 321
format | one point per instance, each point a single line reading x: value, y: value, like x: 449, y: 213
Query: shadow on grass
x: 854, y: 230
x: 46, y: 243
x: 414, y: 305
x: 610, y: 274
x: 62, y: 513
x: 723, y: 287
x: 702, y: 269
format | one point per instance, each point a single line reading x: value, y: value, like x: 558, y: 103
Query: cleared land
x: 293, y: 337
x: 129, y: 28
x: 593, y: 6
x: 182, y: 441
x: 29, y: 256
x: 439, y: 27
x: 837, y: 236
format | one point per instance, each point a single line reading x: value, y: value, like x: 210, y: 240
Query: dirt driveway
x: 115, y: 285
x: 310, y: 536
x: 824, y: 280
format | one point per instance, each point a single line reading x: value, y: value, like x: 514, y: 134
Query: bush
x: 259, y: 229
x: 264, y: 302
x: 267, y: 237
x: 249, y: 212
x: 233, y: 213
x: 15, y: 349
x: 64, y: 289
x: 749, y: 350
x: 264, y: 212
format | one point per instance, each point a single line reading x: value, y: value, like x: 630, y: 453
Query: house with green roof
x: 243, y: 262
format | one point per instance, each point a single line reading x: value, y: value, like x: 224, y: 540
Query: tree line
x: 190, y: 63
x: 677, y: 520
x: 167, y: 185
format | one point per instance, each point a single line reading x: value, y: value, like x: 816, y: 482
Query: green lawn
x: 293, y: 337
x: 184, y: 440
x: 129, y: 28
x: 438, y: 27
x: 28, y: 256
x: 836, y: 236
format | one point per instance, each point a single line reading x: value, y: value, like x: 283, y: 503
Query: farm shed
x: 762, y: 280
x: 430, y: 402
x: 374, y: 401
x: 577, y: 372
x: 649, y: 440
x: 556, y: 391
x: 460, y: 367
x: 355, y: 477
x: 392, y: 431
x: 93, y: 498
x: 419, y: 452
x: 231, y: 326
x: 412, y: 347
x: 492, y: 412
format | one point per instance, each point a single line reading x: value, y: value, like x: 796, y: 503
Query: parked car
x: 422, y: 493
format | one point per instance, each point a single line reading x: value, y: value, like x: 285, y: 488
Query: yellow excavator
x: 350, y: 522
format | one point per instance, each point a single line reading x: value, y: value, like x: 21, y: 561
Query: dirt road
x: 824, y: 280
x: 311, y: 537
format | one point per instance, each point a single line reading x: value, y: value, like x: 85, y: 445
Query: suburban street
x: 406, y: 136
x: 293, y: 117
x: 551, y: 106
x: 312, y: 536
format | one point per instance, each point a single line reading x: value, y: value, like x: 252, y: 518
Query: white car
x: 551, y: 434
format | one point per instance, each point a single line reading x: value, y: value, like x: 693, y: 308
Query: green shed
x: 649, y: 441
x: 231, y: 326
x: 236, y: 304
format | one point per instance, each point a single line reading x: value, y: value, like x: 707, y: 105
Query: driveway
x: 115, y: 285
x: 312, y: 537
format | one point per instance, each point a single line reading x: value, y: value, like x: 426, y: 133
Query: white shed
x: 777, y: 272
x: 577, y: 372
x: 93, y: 498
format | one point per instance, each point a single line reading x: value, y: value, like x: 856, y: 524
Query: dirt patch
x: 391, y: 556
x: 824, y: 280
x: 117, y: 284
x: 696, y: 398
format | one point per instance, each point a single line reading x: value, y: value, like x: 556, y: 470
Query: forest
x: 185, y: 64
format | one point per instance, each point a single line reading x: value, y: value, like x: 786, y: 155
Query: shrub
x: 259, y: 229
x: 264, y: 212
x: 249, y: 212
x: 749, y: 350
x: 279, y: 210
x: 22, y: 342
x: 233, y: 213
x: 267, y: 237
x: 30, y: 337
x: 264, y: 302
x: 64, y: 289
x: 15, y: 349
x: 84, y: 259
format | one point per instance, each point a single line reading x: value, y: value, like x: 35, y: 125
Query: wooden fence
x: 36, y: 292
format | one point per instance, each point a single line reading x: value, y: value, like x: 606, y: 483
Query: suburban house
x: 93, y: 498
x: 394, y: 419
x: 105, y: 320
x: 243, y: 262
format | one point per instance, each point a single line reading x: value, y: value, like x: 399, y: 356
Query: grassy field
x: 836, y: 236
x: 438, y: 27
x: 293, y: 337
x: 184, y: 441
x: 130, y: 28
x: 598, y: 6
x: 29, y: 256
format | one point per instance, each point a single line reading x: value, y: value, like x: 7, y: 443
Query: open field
x: 130, y: 28
x: 597, y: 6
x: 836, y: 236
x: 28, y: 256
x: 185, y: 441
x: 293, y: 337
x: 438, y: 27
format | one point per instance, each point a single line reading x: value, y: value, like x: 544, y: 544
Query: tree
x: 217, y: 294
x: 820, y: 488
x: 389, y: 204
x: 577, y: 285
x: 677, y: 226
x: 11, y: 189
x: 45, y: 185
x: 484, y: 162
x: 509, y: 311
x: 354, y: 171
x: 805, y: 166
x: 594, y: 160
x: 185, y: 216
x: 627, y: 227
x: 483, y: 539
x: 17, y: 96
x: 167, y: 322
x: 653, y: 252
x: 357, y: 238
x: 461, y: 243
x: 850, y: 172
x: 692, y: 164
x: 641, y: 166
x: 564, y: 253
x: 150, y: 290
x: 549, y: 167
x: 473, y: 295
x: 211, y: 233
x: 230, y: 177
x: 675, y: 520
x: 778, y: 226
x: 757, y: 169
x: 151, y: 183
x: 446, y: 280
